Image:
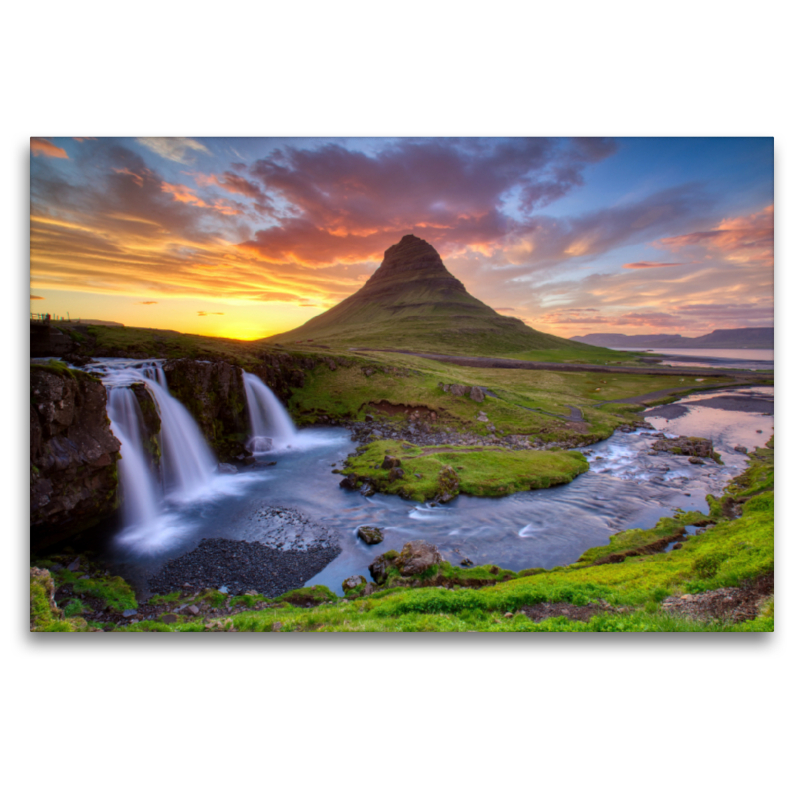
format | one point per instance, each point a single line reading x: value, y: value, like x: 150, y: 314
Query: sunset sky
x: 250, y: 237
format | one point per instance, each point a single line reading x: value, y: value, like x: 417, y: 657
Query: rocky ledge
x: 73, y: 453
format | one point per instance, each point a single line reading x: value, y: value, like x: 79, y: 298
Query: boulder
x: 348, y: 482
x: 447, y: 484
x: 370, y: 535
x: 367, y: 489
x: 390, y: 462
x: 416, y: 557
x: 380, y: 566
x: 395, y: 474
x: 477, y: 394
x: 458, y: 390
x: 353, y: 582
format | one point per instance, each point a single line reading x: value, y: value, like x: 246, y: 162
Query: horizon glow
x: 245, y: 238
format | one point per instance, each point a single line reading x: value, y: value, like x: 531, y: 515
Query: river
x: 627, y: 486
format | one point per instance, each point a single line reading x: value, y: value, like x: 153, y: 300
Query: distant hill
x: 732, y: 338
x: 413, y: 302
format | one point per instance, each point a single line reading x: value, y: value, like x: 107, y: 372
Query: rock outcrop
x: 413, y: 559
x: 73, y: 453
x: 686, y: 446
x: 213, y: 393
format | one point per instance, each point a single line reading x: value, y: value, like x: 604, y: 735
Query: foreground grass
x: 734, y: 552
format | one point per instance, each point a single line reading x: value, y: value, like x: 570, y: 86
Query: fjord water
x: 627, y: 486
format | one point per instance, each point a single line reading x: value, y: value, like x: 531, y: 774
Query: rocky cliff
x: 73, y: 453
x: 213, y: 393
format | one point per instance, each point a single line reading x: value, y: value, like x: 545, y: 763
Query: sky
x: 248, y: 237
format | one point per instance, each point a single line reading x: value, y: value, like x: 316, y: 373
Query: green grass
x: 488, y: 472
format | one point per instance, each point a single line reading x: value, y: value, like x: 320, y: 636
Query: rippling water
x: 625, y: 487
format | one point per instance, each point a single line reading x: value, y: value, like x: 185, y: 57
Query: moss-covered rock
x: 370, y: 535
x: 46, y: 616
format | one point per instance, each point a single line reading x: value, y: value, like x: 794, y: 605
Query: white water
x: 153, y: 510
x: 138, y: 485
x: 271, y: 426
x: 188, y: 464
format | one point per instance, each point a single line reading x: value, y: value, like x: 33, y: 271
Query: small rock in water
x: 370, y: 535
x: 759, y: 431
x: 740, y: 448
x: 224, y: 590
x: 466, y: 563
x: 129, y: 612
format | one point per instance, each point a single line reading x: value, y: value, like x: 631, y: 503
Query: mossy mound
x: 437, y: 472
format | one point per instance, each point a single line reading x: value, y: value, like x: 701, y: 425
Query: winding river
x: 628, y: 485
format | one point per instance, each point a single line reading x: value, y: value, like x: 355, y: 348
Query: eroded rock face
x: 73, y: 453
x: 213, y: 393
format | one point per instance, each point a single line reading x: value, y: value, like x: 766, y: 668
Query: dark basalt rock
x: 73, y: 453
x: 213, y: 393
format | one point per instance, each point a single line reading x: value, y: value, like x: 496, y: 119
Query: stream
x: 627, y: 486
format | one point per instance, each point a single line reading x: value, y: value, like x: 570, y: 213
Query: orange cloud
x: 651, y: 264
x: 36, y: 297
x: 744, y: 240
x: 43, y: 147
x: 183, y: 194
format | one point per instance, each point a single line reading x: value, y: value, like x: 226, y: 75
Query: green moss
x: 112, y: 589
x: 308, y: 596
x: 484, y: 472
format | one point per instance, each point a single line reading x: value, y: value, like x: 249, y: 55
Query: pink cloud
x: 651, y: 264
x: 746, y: 240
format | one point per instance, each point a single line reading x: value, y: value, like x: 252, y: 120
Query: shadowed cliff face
x: 73, y: 454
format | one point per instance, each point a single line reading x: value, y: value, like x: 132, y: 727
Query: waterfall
x: 271, y: 426
x: 188, y: 463
x: 139, y: 490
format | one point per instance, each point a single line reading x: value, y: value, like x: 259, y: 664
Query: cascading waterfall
x: 188, y: 464
x: 272, y: 427
x: 139, y: 489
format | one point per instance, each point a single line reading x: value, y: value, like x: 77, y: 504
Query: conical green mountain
x: 412, y: 302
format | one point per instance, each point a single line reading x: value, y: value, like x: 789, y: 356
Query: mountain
x: 413, y: 302
x: 732, y: 338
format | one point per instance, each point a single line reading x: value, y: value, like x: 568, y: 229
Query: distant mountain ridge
x: 731, y: 338
x: 413, y: 301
